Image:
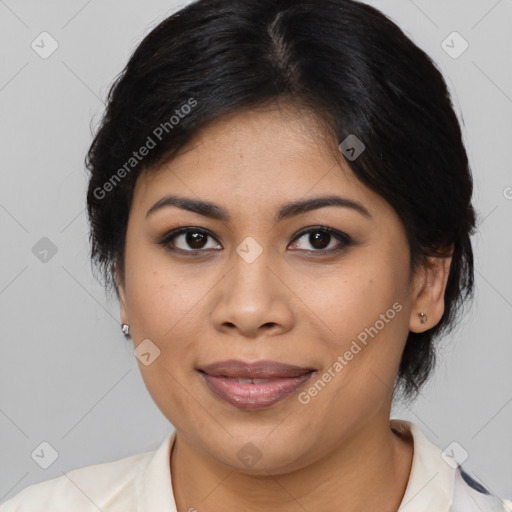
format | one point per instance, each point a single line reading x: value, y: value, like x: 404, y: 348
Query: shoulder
x: 109, y: 486
x: 469, y: 496
x: 438, y: 482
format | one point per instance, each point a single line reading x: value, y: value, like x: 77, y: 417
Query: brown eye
x: 195, y: 240
x: 188, y: 240
x: 321, y: 239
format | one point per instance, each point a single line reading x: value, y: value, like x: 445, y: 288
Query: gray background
x: 68, y: 377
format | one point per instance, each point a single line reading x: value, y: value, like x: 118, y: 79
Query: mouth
x: 254, y: 385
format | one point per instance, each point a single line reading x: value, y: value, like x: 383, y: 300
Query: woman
x: 281, y: 199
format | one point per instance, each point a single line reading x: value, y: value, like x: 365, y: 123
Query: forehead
x: 265, y: 156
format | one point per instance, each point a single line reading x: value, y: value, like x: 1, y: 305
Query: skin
x: 289, y: 305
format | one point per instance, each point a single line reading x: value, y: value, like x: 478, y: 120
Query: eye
x: 322, y: 239
x: 194, y: 238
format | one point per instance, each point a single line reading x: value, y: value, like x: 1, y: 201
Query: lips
x: 254, y: 385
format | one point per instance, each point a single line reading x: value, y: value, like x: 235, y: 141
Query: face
x: 326, y: 289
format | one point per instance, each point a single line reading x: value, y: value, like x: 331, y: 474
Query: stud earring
x: 423, y: 318
x: 126, y: 329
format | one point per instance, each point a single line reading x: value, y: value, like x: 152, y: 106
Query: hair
x: 343, y: 60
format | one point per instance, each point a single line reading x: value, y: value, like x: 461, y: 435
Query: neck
x: 370, y: 470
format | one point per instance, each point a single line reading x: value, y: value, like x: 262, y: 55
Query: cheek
x: 171, y: 392
x: 367, y: 312
x: 161, y: 297
x: 360, y: 295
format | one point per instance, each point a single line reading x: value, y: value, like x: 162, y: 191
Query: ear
x: 428, y: 294
x: 121, y: 294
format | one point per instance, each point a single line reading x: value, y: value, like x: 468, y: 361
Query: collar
x: 431, y: 480
x: 153, y: 483
x: 430, y: 486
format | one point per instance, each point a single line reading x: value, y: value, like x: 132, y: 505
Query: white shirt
x: 142, y: 483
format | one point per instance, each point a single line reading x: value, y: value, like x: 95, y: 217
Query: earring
x: 126, y: 329
x: 423, y: 318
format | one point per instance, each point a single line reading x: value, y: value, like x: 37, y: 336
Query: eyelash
x: 343, y: 238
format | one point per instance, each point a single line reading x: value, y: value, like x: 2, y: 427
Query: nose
x: 253, y: 299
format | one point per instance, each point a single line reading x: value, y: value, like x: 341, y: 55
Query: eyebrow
x: 213, y: 211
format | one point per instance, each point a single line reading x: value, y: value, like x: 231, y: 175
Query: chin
x: 257, y: 451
